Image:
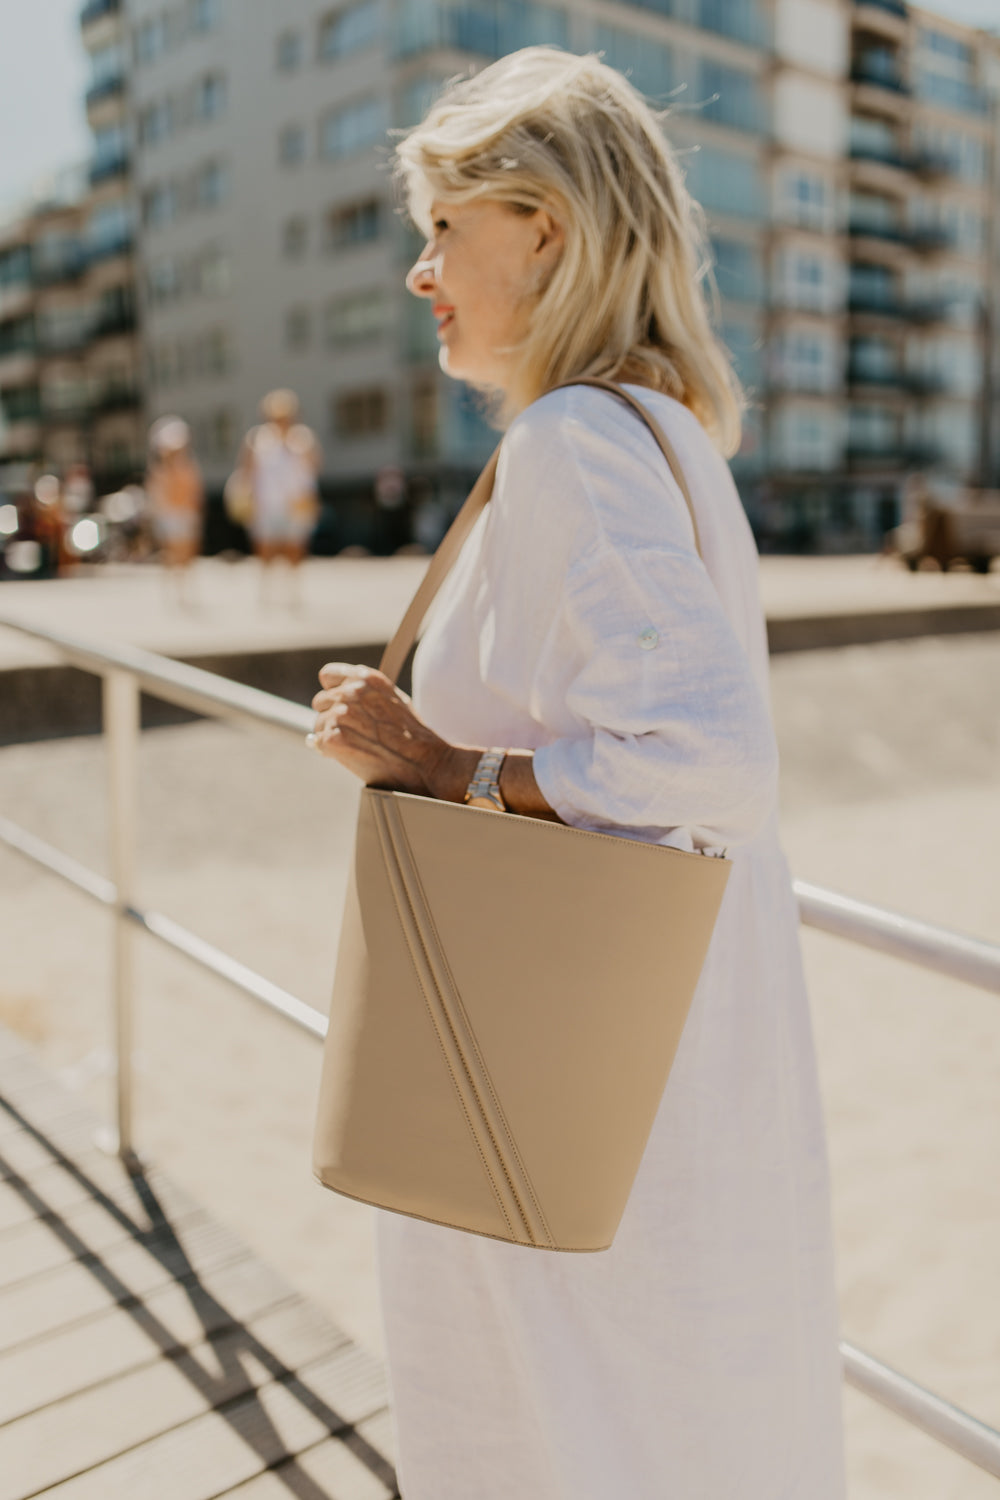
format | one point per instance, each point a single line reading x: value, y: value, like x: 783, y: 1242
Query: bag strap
x: 444, y: 559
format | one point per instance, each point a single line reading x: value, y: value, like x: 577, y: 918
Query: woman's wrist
x: 454, y: 766
x: 451, y: 771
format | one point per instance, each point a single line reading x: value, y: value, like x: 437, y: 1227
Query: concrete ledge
x: 821, y: 632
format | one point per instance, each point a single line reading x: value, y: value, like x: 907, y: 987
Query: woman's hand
x: 368, y: 725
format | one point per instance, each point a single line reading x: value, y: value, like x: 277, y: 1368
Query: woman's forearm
x: 518, y: 787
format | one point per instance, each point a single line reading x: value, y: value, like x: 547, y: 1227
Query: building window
x: 288, y: 51
x: 349, y: 30
x: 804, y: 198
x: 726, y: 181
x: 730, y: 95
x: 738, y: 271
x: 352, y: 128
x: 220, y: 433
x: 156, y: 123
x: 210, y: 97
x: 165, y: 281
x: 352, y: 320
x: 211, y: 185
x: 204, y: 15
x: 807, y: 279
x: 213, y: 352
x: 806, y: 438
x: 150, y: 40
x: 648, y: 65
x: 360, y: 413
x: 159, y: 205
x: 291, y: 145
x: 298, y: 329
x: 806, y: 360
x: 295, y: 237
x: 355, y: 224
x: 211, y: 272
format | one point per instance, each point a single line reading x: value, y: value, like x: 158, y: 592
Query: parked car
x: 967, y: 531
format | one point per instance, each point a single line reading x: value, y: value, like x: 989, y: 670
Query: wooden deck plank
x: 73, y: 1293
x: 177, y: 1316
x: 76, y: 1433
x: 357, y: 1465
x: 203, y: 1457
x: 144, y: 1351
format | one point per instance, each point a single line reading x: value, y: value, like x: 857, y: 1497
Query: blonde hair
x: 542, y: 128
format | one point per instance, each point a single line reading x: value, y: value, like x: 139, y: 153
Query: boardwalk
x: 144, y: 1351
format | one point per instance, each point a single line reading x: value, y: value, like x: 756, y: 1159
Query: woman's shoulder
x: 601, y: 464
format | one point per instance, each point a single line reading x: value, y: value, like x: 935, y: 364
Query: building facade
x: 845, y: 152
x: 70, y: 386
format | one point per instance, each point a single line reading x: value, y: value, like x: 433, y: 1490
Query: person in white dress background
x: 697, y: 1358
x: 279, y: 462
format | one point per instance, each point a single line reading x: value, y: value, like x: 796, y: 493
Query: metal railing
x: 127, y: 671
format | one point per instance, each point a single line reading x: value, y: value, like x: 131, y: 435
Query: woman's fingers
x: 337, y: 672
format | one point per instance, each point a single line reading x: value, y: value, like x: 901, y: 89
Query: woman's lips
x: 445, y: 316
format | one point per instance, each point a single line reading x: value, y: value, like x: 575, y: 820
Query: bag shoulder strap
x: 444, y: 559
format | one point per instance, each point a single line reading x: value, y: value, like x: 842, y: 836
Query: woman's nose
x: 421, y: 279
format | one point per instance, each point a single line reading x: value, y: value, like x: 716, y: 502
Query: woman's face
x: 479, y: 271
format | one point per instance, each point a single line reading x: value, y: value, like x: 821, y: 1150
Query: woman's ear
x: 549, y: 237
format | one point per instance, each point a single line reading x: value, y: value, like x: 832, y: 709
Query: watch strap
x: 484, y: 788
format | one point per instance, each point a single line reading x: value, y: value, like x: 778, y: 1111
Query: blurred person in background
x: 176, y: 495
x: 276, y: 477
x: 48, y: 523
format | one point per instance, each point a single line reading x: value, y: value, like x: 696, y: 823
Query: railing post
x: 121, y: 730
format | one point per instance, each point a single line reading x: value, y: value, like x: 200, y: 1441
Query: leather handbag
x: 509, y: 997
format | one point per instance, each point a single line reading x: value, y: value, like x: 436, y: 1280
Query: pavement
x: 348, y: 608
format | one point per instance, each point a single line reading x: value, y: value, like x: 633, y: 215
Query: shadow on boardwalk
x: 143, y: 1344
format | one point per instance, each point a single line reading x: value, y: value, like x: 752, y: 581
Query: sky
x: 43, y: 77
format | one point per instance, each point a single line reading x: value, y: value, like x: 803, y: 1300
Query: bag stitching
x: 443, y: 957
x: 451, y: 1028
x: 382, y: 835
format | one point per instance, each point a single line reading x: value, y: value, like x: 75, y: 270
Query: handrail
x: 127, y: 669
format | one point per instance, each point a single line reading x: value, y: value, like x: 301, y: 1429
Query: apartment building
x: 70, y: 389
x: 845, y: 153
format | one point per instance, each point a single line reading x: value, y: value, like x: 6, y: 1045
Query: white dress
x: 697, y: 1358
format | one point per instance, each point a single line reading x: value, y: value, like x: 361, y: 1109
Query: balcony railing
x: 877, y: 76
x: 117, y: 398
x: 930, y: 238
x: 878, y: 304
x: 929, y: 310
x: 877, y: 229
x: 105, y: 249
x: 97, y: 8
x: 125, y: 671
x: 883, y: 155
x: 111, y: 166
x: 861, y: 454
x: 894, y: 7
x: 65, y: 267
x: 858, y: 373
x: 115, y: 321
x: 108, y: 88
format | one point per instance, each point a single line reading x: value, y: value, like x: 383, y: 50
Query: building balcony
x: 871, y: 229
x: 921, y: 383
x: 872, y: 75
x: 108, y: 88
x: 64, y: 341
x: 96, y: 10
x: 930, y: 164
x: 877, y: 304
x: 113, y: 323
x: 117, y: 398
x: 18, y: 367
x: 929, y: 310
x: 891, y: 7
x: 860, y: 454
x: 74, y: 414
x: 111, y: 166
x: 882, y: 157
x: 108, y: 249
x: 59, y: 268
x: 930, y: 239
x: 860, y: 374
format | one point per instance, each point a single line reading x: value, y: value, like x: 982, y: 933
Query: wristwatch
x: 484, y: 788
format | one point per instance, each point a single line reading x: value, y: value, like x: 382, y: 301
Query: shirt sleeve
x: 672, y: 737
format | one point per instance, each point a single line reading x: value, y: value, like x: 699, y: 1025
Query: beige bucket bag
x: 509, y: 997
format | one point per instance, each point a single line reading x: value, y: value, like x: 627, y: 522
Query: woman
x: 280, y: 460
x: 177, y: 497
x: 697, y: 1358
